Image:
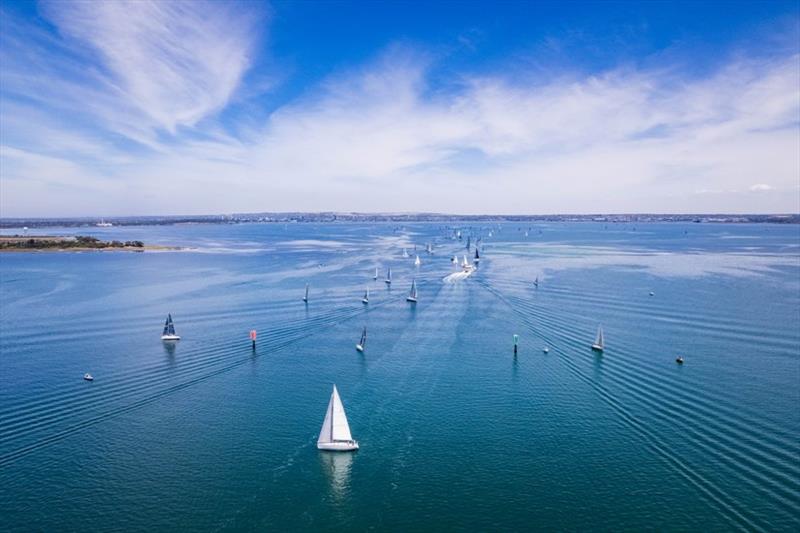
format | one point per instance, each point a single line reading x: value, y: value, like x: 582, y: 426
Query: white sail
x: 599, y: 339
x: 417, y: 262
x: 405, y: 253
x: 334, y: 427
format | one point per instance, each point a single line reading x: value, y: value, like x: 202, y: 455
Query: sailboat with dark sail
x: 169, y: 330
x: 388, y: 279
x: 412, y: 295
x: 363, y: 342
x: 365, y: 299
x: 305, y: 298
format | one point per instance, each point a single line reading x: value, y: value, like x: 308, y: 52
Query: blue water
x: 456, y: 433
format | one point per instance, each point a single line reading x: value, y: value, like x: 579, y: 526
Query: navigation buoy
x: 253, y: 338
x: 516, y: 340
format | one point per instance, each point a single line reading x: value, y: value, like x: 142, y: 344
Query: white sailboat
x: 429, y: 249
x: 466, y: 266
x: 376, y: 273
x: 335, y: 433
x: 363, y: 342
x: 169, y: 330
x: 599, y: 343
x: 412, y: 295
x: 305, y: 298
x: 417, y: 262
x: 365, y: 299
x: 88, y: 377
x: 454, y: 260
x: 405, y: 253
x: 388, y: 279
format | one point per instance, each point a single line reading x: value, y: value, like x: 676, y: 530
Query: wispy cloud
x: 141, y: 125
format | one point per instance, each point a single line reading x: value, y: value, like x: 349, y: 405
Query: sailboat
x: 536, y: 282
x: 405, y: 253
x: 599, y: 344
x: 365, y: 299
x: 388, y: 279
x: 169, y: 330
x: 305, y: 298
x: 412, y: 296
x: 429, y: 249
x: 454, y: 260
x: 417, y: 262
x: 88, y: 377
x: 477, y: 256
x: 376, y: 273
x: 335, y: 433
x: 363, y: 342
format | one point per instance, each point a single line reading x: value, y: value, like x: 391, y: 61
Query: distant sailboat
x: 388, y: 279
x: 376, y: 273
x: 335, y: 433
x: 169, y: 330
x: 429, y: 249
x: 363, y: 342
x: 405, y: 253
x: 599, y: 343
x: 365, y: 299
x: 454, y: 259
x: 536, y: 282
x: 305, y: 298
x: 417, y: 262
x: 468, y: 242
x: 412, y: 295
x: 477, y: 256
x: 88, y: 377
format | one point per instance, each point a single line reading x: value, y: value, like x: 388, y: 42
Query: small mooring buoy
x: 253, y: 338
x: 516, y: 340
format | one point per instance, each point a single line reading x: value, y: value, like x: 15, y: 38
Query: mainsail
x: 334, y: 427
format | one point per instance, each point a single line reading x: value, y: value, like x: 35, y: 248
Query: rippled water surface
x: 455, y: 431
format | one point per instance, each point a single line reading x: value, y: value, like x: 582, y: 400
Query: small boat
x: 679, y: 360
x: 376, y: 273
x: 546, y: 349
x: 599, y: 343
x: 477, y: 256
x: 363, y: 342
x: 305, y: 298
x: 652, y: 293
x: 388, y: 279
x: 405, y: 253
x: 429, y: 248
x: 335, y: 433
x: 365, y: 299
x: 536, y: 282
x: 169, y: 330
x: 454, y: 259
x: 466, y: 266
x: 417, y: 262
x: 412, y: 295
x: 88, y: 377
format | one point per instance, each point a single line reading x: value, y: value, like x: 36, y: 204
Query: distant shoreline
x: 330, y: 217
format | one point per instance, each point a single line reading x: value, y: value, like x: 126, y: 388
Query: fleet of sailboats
x: 169, y: 330
x: 335, y: 433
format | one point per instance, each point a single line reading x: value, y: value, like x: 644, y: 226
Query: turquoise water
x: 455, y: 432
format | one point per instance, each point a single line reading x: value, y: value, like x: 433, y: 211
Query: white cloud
x: 382, y: 138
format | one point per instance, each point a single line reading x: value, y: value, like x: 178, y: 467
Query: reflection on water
x: 169, y: 349
x: 336, y: 466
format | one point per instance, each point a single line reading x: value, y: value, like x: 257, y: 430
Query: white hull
x: 364, y: 301
x: 597, y: 348
x: 359, y: 348
x: 170, y: 337
x: 338, y: 446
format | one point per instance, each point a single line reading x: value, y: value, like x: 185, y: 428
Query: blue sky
x: 124, y: 108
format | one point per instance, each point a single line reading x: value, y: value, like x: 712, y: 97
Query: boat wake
x: 456, y: 276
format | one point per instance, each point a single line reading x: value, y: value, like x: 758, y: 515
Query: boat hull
x: 597, y: 348
x: 338, y: 446
x: 359, y: 348
x: 170, y: 337
x: 412, y: 300
x: 364, y: 301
